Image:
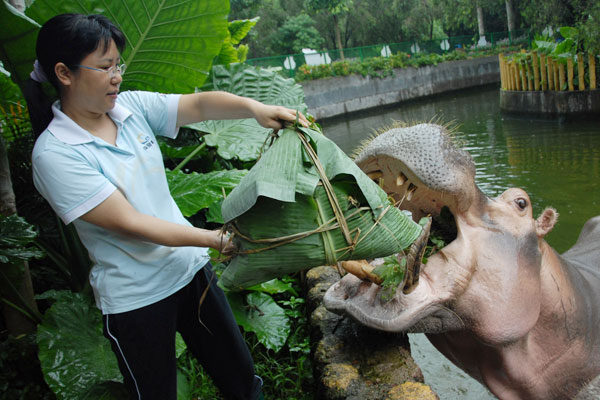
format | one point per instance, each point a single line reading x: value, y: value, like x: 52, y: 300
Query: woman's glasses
x: 112, y: 71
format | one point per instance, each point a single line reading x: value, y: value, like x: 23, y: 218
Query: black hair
x: 66, y: 38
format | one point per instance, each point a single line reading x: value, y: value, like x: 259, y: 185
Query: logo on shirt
x: 145, y: 141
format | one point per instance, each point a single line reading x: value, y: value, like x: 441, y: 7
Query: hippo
x: 497, y: 300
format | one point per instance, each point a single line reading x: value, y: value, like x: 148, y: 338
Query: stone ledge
x: 551, y: 104
x: 353, y: 362
x: 330, y: 97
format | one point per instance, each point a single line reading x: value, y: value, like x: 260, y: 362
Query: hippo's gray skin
x: 497, y: 301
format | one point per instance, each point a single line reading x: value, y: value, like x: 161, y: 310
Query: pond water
x: 557, y: 164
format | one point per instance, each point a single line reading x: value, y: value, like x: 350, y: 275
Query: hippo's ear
x: 546, y: 221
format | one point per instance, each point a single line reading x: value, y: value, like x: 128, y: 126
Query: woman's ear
x: 63, y: 74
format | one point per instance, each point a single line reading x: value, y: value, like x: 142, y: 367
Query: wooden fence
x: 530, y: 71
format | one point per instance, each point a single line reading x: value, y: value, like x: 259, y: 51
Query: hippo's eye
x: 521, y: 203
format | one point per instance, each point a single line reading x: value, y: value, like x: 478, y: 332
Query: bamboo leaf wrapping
x: 283, y: 195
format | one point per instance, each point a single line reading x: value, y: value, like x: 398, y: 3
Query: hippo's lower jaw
x: 402, y: 313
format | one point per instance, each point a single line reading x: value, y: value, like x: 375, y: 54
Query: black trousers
x: 144, y: 343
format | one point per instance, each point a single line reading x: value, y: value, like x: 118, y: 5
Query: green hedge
x: 384, y: 66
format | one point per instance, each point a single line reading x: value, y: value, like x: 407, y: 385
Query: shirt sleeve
x: 159, y: 110
x: 69, y: 183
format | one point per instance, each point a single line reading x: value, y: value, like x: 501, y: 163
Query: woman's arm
x: 222, y: 105
x: 118, y: 215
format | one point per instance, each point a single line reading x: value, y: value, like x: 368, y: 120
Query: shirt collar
x: 67, y: 130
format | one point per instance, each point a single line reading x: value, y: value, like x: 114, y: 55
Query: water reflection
x: 557, y: 164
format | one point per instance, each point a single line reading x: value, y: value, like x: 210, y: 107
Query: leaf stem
x: 189, y: 157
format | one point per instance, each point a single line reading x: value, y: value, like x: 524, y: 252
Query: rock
x: 337, y: 379
x: 353, y: 362
x: 411, y: 391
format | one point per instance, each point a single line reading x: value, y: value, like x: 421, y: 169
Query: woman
x: 99, y: 166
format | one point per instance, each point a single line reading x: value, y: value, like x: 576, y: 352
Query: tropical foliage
x: 566, y: 47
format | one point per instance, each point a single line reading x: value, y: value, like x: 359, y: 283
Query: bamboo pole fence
x: 533, y: 72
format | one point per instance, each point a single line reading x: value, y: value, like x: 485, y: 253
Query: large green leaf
x: 243, y: 139
x: 17, y: 42
x: 568, y: 32
x: 261, y: 315
x: 239, y: 29
x: 75, y: 357
x: 261, y: 84
x: 193, y: 192
x: 238, y: 138
x: 16, y: 237
x: 9, y: 92
x: 170, y: 43
x: 274, y: 286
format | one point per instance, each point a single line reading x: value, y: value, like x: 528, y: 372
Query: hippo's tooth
x: 410, y: 191
x: 375, y: 175
x: 415, y: 255
x: 400, y: 179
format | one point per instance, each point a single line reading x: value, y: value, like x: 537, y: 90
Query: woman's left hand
x: 223, y: 242
x: 274, y: 116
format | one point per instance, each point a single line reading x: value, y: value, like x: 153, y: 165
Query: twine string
x: 339, y: 221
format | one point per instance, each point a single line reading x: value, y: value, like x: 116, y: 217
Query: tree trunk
x: 7, y: 195
x: 338, y: 36
x: 510, y: 15
x: 431, y: 25
x: 480, y: 24
x: 16, y: 322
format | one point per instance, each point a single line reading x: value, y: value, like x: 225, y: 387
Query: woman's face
x: 95, y: 91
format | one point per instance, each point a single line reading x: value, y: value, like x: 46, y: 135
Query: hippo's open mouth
x: 421, y: 169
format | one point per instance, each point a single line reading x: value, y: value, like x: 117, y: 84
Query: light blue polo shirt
x: 75, y: 171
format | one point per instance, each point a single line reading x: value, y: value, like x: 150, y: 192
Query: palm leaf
x: 193, y: 192
x: 17, y: 42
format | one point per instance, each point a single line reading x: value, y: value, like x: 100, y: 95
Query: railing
x: 291, y: 62
x: 530, y: 71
